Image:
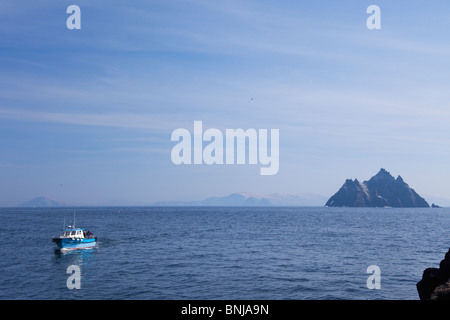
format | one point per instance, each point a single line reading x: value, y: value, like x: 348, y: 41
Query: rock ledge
x: 435, y: 284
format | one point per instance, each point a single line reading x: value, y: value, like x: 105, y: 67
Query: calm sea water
x: 222, y: 253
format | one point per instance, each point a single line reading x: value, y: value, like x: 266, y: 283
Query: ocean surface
x: 222, y: 252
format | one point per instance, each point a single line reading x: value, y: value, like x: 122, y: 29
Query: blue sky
x: 86, y: 115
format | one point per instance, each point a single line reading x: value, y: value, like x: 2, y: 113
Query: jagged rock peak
x: 400, y: 180
x: 382, y: 190
x: 383, y: 174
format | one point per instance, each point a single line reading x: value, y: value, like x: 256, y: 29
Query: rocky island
x: 382, y: 190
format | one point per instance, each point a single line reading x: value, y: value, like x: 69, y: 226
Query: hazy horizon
x: 307, y: 200
x: 86, y: 116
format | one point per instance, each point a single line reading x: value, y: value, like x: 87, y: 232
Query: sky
x: 86, y: 116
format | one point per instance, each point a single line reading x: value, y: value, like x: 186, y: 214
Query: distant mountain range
x: 253, y: 199
x: 235, y: 199
x: 382, y: 190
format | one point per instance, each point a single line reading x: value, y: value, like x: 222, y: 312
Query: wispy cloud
x: 122, y: 120
x: 337, y: 91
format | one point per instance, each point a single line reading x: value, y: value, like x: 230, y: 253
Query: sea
x: 222, y: 253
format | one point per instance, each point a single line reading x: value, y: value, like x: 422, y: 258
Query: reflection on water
x: 77, y: 257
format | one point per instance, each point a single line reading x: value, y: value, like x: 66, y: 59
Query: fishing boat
x: 75, y: 238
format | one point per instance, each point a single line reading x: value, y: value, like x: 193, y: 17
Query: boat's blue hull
x: 74, y: 243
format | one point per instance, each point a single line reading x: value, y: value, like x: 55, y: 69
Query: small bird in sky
x: 251, y: 100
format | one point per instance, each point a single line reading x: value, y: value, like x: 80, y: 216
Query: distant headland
x: 382, y: 190
x: 43, y: 202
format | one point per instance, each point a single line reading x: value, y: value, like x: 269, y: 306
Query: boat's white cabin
x: 72, y: 233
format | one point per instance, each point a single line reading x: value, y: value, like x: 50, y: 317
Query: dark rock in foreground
x: 435, y: 283
x: 382, y: 190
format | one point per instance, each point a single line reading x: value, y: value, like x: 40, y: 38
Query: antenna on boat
x: 73, y: 219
